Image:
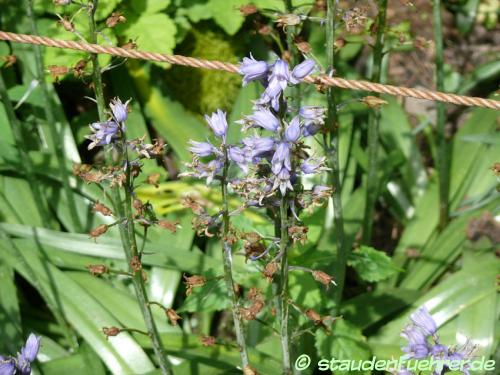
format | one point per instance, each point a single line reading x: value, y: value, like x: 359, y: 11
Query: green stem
x: 443, y: 144
x: 124, y: 210
x: 333, y: 156
x: 52, y: 123
x: 228, y: 266
x: 373, y: 128
x: 283, y: 288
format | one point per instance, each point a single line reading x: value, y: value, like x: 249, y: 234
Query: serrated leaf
x: 155, y: 32
x: 372, y: 265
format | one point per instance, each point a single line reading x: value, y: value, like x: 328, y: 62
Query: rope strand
x: 233, y: 68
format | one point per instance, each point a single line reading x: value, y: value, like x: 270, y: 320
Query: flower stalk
x: 442, y: 141
x: 372, y: 185
x: 333, y: 155
x: 228, y: 268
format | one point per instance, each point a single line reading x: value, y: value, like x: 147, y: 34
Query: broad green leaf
x: 371, y: 265
x: 344, y: 343
x: 169, y: 118
x: 149, y: 6
x: 16, y: 202
x: 210, y: 297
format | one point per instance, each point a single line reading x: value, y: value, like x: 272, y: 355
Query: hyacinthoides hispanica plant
x: 264, y: 170
x: 126, y: 161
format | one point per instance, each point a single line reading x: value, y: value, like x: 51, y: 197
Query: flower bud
x: 218, y: 123
x: 292, y: 132
x: 111, y: 331
x: 119, y: 109
x: 302, y: 70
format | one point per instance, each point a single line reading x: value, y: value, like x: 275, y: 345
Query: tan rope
x: 233, y: 68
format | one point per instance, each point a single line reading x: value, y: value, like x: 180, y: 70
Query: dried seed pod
x: 168, y: 225
x: 172, y: 316
x: 135, y: 264
x: 98, y: 231
x: 270, y: 270
x: 373, y: 101
x: 314, y: 316
x: 57, y: 71
x: 61, y: 2
x: 248, y: 370
x: 496, y: 169
x: 285, y: 20
x: 9, y: 60
x: 207, y: 340
x: 193, y: 282
x: 323, y: 278
x: 97, y: 269
x: 111, y: 331
x: 131, y: 44
x: 66, y: 23
x: 298, y: 233
x: 79, y: 68
x: 102, y: 209
x: 115, y: 19
x: 302, y: 45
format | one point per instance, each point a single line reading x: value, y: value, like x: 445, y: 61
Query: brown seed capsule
x: 207, y: 340
x: 57, y: 71
x: 102, y: 209
x: 285, y: 20
x: 248, y: 9
x: 302, y: 45
x: 97, y: 269
x: 373, y: 101
x: 98, y: 231
x: 339, y: 43
x: 66, y: 23
x: 314, y: 316
x: 135, y: 264
x: 115, y: 19
x: 323, y: 278
x: 138, y: 206
x: 172, y: 316
x: 111, y: 331
x: 270, y: 270
x: 153, y: 179
x: 168, y: 225
x: 298, y: 233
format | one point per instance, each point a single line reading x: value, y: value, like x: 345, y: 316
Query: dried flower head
x: 269, y: 271
x: 373, y: 101
x: 195, y: 281
x: 302, y: 45
x: 102, y: 209
x: 207, y: 340
x: 248, y: 370
x: 168, y: 225
x: 98, y: 231
x: 172, y: 316
x: 61, y: 2
x: 355, y: 19
x: 79, y: 68
x: 111, y: 331
x: 9, y: 60
x: 115, y: 19
x: 285, y: 20
x: 66, y: 23
x: 57, y: 71
x: 298, y: 234
x: 314, y: 316
x: 323, y: 278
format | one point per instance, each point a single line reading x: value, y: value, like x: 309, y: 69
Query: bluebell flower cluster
x: 270, y: 161
x: 423, y: 342
x: 21, y: 364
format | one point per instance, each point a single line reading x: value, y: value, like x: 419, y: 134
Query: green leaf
x: 210, y: 297
x: 372, y: 265
x: 169, y: 117
x: 86, y: 315
x: 10, y: 318
x: 344, y: 343
x: 155, y: 32
x: 149, y: 6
